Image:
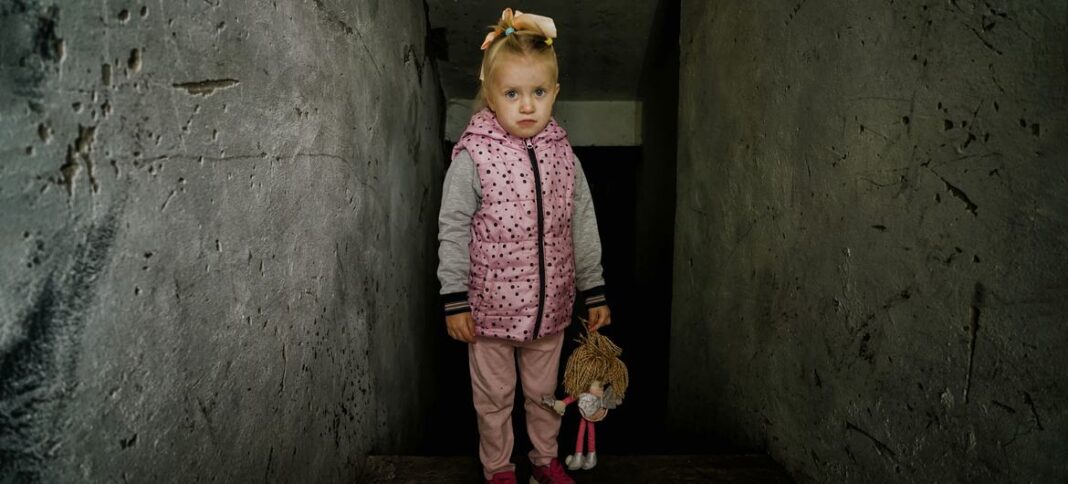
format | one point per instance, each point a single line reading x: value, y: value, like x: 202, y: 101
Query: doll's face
x: 597, y: 388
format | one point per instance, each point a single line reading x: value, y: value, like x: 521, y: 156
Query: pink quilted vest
x: 522, y: 283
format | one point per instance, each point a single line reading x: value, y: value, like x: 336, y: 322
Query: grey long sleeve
x: 460, y: 199
x: 589, y: 276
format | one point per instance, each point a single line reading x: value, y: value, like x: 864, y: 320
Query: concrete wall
x: 218, y: 223
x: 872, y: 237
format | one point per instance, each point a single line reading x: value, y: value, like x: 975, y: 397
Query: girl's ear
x: 556, y: 91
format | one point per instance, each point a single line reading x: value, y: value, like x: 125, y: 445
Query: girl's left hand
x: 599, y: 316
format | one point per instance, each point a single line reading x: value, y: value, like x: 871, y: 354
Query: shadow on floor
x: 747, y: 469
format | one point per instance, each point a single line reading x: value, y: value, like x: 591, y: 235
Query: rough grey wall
x: 872, y: 237
x: 218, y: 223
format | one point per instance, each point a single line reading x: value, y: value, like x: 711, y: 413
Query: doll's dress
x: 592, y: 407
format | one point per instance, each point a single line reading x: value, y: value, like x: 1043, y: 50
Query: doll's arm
x: 557, y: 405
x: 561, y: 405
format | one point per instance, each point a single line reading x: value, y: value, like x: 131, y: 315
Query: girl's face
x: 521, y: 92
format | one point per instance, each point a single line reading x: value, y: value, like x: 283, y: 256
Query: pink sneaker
x: 551, y: 474
x: 506, y: 477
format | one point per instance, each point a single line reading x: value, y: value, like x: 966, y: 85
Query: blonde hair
x: 530, y: 42
x: 596, y: 358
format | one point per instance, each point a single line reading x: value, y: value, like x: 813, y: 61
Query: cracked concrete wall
x: 872, y: 237
x: 218, y: 237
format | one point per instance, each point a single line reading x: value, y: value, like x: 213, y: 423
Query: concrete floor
x: 747, y: 469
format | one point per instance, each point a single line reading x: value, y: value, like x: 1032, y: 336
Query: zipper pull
x: 530, y: 144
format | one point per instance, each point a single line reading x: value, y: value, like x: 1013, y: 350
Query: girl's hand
x: 599, y: 316
x: 461, y: 327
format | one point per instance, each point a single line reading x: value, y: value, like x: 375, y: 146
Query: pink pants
x: 493, y: 378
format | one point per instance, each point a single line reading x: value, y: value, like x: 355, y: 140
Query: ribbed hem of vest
x: 594, y: 297
x: 455, y: 303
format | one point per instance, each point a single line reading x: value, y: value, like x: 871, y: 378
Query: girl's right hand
x: 461, y: 327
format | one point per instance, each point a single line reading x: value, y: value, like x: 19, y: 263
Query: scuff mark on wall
x: 68, y: 172
x: 206, y: 87
x: 978, y: 297
x: 969, y: 205
x: 135, y: 60
x: 81, y: 149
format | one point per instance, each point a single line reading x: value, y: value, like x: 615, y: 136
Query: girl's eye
x: 511, y: 94
x: 539, y: 92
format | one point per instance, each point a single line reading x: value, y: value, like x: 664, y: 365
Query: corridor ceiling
x: 601, y: 45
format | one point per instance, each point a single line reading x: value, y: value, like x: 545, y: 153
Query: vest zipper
x: 541, y: 238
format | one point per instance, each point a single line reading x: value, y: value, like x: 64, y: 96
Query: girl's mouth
x: 526, y: 122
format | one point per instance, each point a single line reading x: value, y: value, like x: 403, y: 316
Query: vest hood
x: 484, y: 123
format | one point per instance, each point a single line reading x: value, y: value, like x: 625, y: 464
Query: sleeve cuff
x: 455, y: 303
x: 594, y: 297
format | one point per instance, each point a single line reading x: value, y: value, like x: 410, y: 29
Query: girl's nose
x: 526, y: 106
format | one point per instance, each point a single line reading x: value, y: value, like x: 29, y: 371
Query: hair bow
x: 522, y: 21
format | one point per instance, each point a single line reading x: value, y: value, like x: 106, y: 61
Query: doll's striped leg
x: 581, y: 434
x: 591, y: 457
x: 576, y: 461
x: 590, y: 442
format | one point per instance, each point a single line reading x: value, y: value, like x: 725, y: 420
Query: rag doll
x: 597, y: 379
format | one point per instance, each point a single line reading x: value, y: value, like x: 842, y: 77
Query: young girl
x: 517, y: 234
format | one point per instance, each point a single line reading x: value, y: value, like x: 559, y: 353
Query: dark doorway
x: 635, y: 427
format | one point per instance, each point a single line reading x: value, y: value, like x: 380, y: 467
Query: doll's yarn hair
x: 596, y: 358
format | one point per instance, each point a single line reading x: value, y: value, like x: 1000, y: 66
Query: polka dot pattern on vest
x: 505, y: 283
